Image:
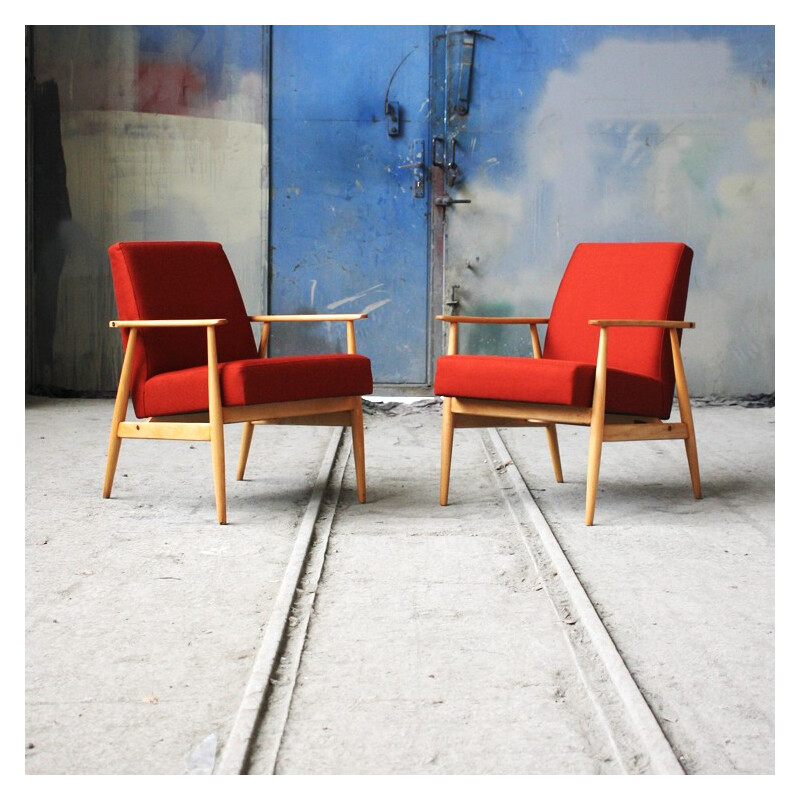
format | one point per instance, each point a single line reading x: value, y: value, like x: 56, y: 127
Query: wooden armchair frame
x: 208, y: 426
x: 462, y: 412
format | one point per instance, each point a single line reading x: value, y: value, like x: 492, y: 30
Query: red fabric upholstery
x: 542, y: 380
x: 647, y: 280
x: 516, y: 379
x: 194, y: 280
x: 260, y: 380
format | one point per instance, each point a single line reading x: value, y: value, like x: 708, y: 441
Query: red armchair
x: 191, y: 364
x: 611, y: 360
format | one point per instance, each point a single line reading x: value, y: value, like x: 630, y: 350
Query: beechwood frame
x: 208, y: 426
x: 463, y: 412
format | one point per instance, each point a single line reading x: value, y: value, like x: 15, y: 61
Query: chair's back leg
x: 447, y: 450
x: 357, y: 432
x: 244, y: 449
x: 247, y: 428
x: 120, y: 412
x: 555, y: 453
x: 685, y: 406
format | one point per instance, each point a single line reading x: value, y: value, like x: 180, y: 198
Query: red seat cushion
x: 545, y: 380
x: 525, y: 380
x: 259, y: 380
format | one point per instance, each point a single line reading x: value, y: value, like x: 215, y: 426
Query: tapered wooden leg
x: 593, y: 468
x: 357, y: 431
x: 244, y: 449
x: 215, y: 422
x: 555, y: 453
x: 685, y: 407
x: 694, y: 465
x: 447, y: 450
x: 597, y: 427
x: 218, y: 467
x: 114, y: 444
x: 120, y: 412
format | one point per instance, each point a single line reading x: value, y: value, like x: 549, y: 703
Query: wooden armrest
x: 307, y: 317
x: 532, y: 322
x: 641, y: 323
x: 267, y: 319
x: 165, y: 323
x: 495, y: 320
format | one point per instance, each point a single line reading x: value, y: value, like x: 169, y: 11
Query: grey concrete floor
x: 431, y: 649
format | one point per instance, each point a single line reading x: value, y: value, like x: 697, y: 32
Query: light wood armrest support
x: 641, y: 323
x: 307, y: 317
x: 452, y: 338
x: 166, y: 323
x: 267, y: 319
x: 495, y: 320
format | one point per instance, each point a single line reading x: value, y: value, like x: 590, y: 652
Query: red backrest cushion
x: 647, y: 280
x: 179, y: 280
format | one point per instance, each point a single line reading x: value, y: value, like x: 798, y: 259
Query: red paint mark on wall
x: 168, y: 88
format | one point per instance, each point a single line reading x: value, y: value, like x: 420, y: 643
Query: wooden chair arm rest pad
x: 495, y: 320
x: 307, y: 317
x: 166, y: 323
x: 641, y: 323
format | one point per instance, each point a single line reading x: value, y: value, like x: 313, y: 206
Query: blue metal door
x: 349, y: 198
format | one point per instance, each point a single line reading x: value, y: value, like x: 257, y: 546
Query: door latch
x: 392, y: 111
x: 453, y: 302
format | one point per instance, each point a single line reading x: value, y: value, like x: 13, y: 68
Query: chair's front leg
x: 597, y: 426
x: 216, y: 424
x: 685, y: 406
x: 447, y: 450
x: 357, y: 432
x: 120, y: 412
